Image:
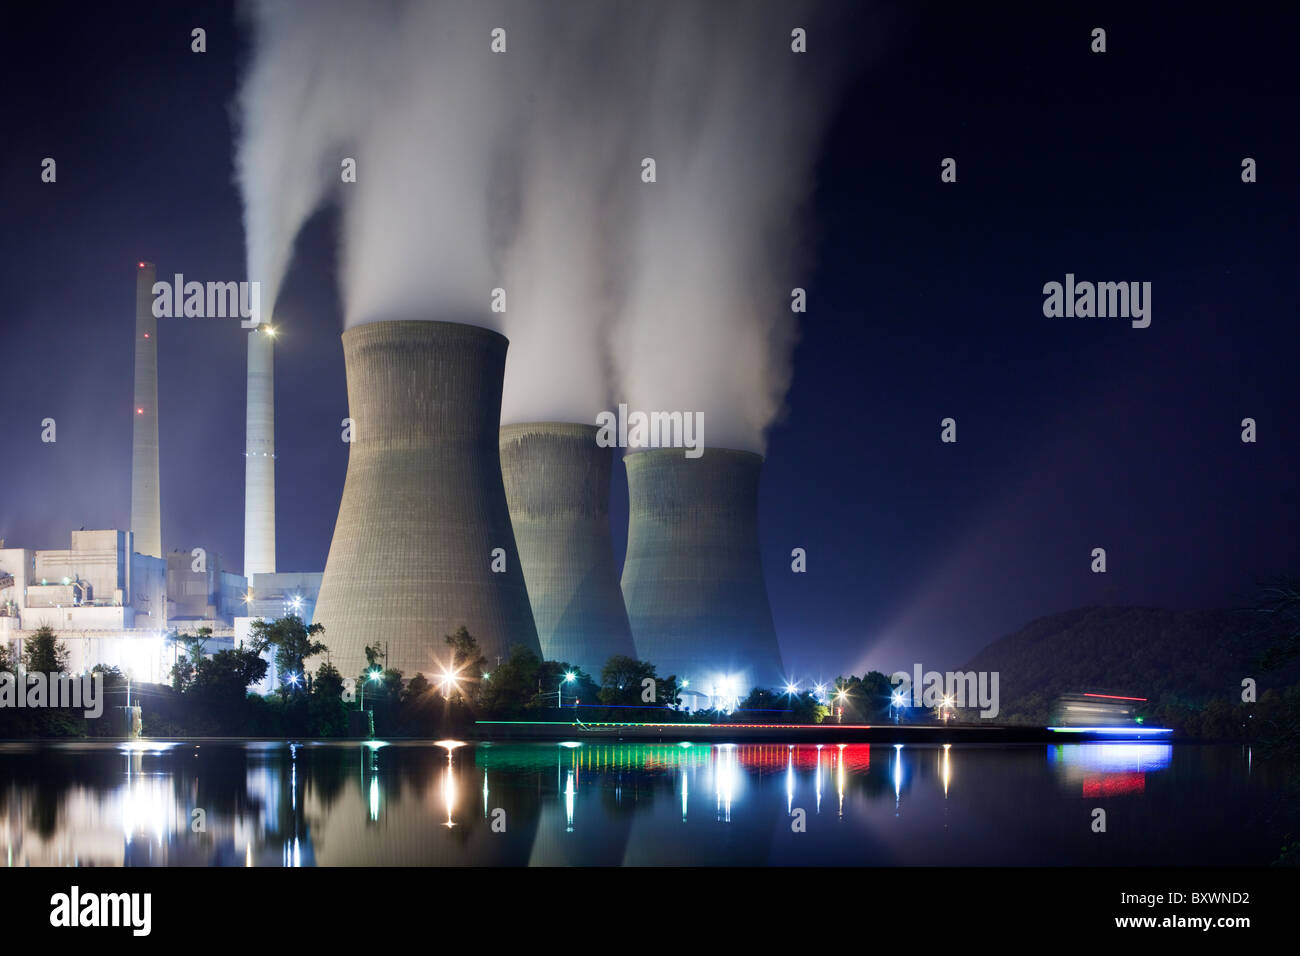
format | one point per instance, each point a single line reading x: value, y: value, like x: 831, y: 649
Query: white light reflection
x: 449, y: 780
x: 569, y: 793
x: 818, y: 779
x: 947, y: 770
x: 898, y: 772
x: 725, y: 778
x: 789, y: 781
x: 839, y: 778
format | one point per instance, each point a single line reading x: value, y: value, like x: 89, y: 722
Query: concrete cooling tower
x: 423, y: 504
x: 557, y: 484
x: 693, y: 581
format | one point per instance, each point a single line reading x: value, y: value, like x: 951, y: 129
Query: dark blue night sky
x: 925, y: 302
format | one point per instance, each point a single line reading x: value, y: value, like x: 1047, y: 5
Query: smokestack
x: 259, y: 455
x: 146, y: 509
x: 424, y: 507
x: 693, y: 581
x: 557, y: 486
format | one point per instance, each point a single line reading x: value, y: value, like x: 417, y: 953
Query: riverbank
x: 826, y: 733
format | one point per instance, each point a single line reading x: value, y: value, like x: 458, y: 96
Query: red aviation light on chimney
x: 139, y: 411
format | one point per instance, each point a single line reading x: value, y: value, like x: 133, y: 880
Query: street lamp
x: 374, y: 675
x: 841, y: 697
x: 895, y: 702
x: 449, y: 681
x: 564, y: 680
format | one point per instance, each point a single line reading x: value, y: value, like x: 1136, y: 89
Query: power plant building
x: 557, y: 486
x: 423, y: 544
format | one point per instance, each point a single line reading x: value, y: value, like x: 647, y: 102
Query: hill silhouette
x: 1185, y: 658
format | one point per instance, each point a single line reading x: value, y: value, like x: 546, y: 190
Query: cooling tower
x: 259, y: 455
x: 423, y: 507
x: 557, y: 485
x: 146, y: 508
x: 693, y: 581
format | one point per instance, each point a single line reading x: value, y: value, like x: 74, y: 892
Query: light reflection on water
x: 154, y: 803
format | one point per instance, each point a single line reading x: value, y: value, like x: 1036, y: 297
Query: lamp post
x: 374, y: 675
x: 564, y: 680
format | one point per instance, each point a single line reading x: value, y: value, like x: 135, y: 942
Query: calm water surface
x: 424, y: 804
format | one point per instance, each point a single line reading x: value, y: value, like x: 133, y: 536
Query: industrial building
x: 423, y: 543
x: 107, y: 603
x: 557, y: 486
x: 693, y: 579
x: 112, y: 597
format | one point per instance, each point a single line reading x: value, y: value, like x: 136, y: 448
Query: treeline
x: 209, y: 692
x: 1211, y: 675
x: 44, y: 654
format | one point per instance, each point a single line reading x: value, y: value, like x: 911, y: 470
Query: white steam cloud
x: 522, y: 170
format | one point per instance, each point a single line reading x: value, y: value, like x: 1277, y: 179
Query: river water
x: 608, y: 803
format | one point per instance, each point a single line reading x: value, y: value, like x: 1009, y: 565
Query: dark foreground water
x: 273, y: 804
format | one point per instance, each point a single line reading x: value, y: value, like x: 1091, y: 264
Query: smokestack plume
x: 693, y: 580
x: 424, y: 508
x: 557, y: 485
x: 259, y: 452
x: 146, y: 507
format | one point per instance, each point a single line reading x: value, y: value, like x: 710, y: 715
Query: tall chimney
x: 557, y: 484
x: 693, y: 579
x: 259, y: 455
x: 146, y: 509
x: 423, y: 542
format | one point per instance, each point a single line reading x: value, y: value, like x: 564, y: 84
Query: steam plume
x: 521, y: 170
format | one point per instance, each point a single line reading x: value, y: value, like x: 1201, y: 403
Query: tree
x: 226, y: 676
x: 328, y: 713
x: 467, y: 658
x: 1279, y: 605
x: 805, y: 708
x: 581, y: 688
x: 877, y: 692
x: 512, y: 685
x: 6, y: 659
x: 182, y: 672
x: 622, y: 683
x: 761, y: 699
x: 44, y: 653
x: 294, y: 642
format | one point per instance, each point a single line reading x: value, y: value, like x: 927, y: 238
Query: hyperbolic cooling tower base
x: 693, y: 578
x: 423, y: 508
x: 557, y: 484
